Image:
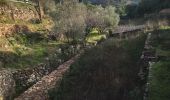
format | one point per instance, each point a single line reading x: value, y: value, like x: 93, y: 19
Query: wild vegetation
x: 106, y: 72
x: 72, y: 23
x: 78, y: 20
x: 49, y: 32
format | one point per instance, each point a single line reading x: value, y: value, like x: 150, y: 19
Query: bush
x: 101, y: 18
x: 105, y: 72
x: 70, y: 20
x: 76, y: 19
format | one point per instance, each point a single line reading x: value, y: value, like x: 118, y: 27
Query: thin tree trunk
x: 38, y: 9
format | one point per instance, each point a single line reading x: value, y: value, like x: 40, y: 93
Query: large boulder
x: 7, y: 85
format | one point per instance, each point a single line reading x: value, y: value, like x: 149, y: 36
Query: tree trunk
x: 38, y: 9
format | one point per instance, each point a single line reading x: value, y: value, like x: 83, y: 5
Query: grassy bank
x: 159, y: 82
x: 25, y: 43
x: 159, y: 87
x: 26, y: 51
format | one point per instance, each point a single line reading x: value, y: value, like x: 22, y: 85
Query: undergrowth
x: 106, y: 72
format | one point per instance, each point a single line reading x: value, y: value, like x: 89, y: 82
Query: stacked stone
x: 6, y: 29
x: 19, y: 13
x: 147, y: 59
x: 39, y: 91
x: 7, y: 85
x: 25, y: 78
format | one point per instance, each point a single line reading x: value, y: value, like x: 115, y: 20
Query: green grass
x: 21, y: 53
x: 160, y: 52
x: 95, y: 38
x: 161, y: 42
x: 164, y: 27
x: 160, y: 87
x: 28, y: 56
x: 26, y: 49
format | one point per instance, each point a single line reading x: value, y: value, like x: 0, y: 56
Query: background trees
x: 74, y: 19
x: 149, y: 6
x: 70, y: 19
x: 101, y: 18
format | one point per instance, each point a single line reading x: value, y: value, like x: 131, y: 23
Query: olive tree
x: 74, y: 19
x: 102, y: 18
x: 70, y: 20
x: 111, y: 18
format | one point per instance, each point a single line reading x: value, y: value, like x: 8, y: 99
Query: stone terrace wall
x: 7, y: 85
x: 39, y: 91
x: 24, y: 78
x: 6, y: 29
x: 18, y: 13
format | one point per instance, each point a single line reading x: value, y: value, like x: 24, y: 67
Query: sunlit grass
x: 27, y: 55
x: 94, y: 36
x: 164, y: 27
x: 94, y: 39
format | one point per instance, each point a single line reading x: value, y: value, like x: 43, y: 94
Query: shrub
x: 105, y: 72
x: 70, y: 20
x: 101, y: 18
x: 76, y: 19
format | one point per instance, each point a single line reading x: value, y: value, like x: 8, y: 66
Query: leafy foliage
x: 74, y: 19
x: 101, y: 18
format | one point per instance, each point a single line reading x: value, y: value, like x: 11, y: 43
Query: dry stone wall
x: 10, y: 15
x: 18, y: 13
x: 24, y: 78
x: 7, y: 85
x: 39, y: 91
x: 148, y: 57
x: 6, y: 29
